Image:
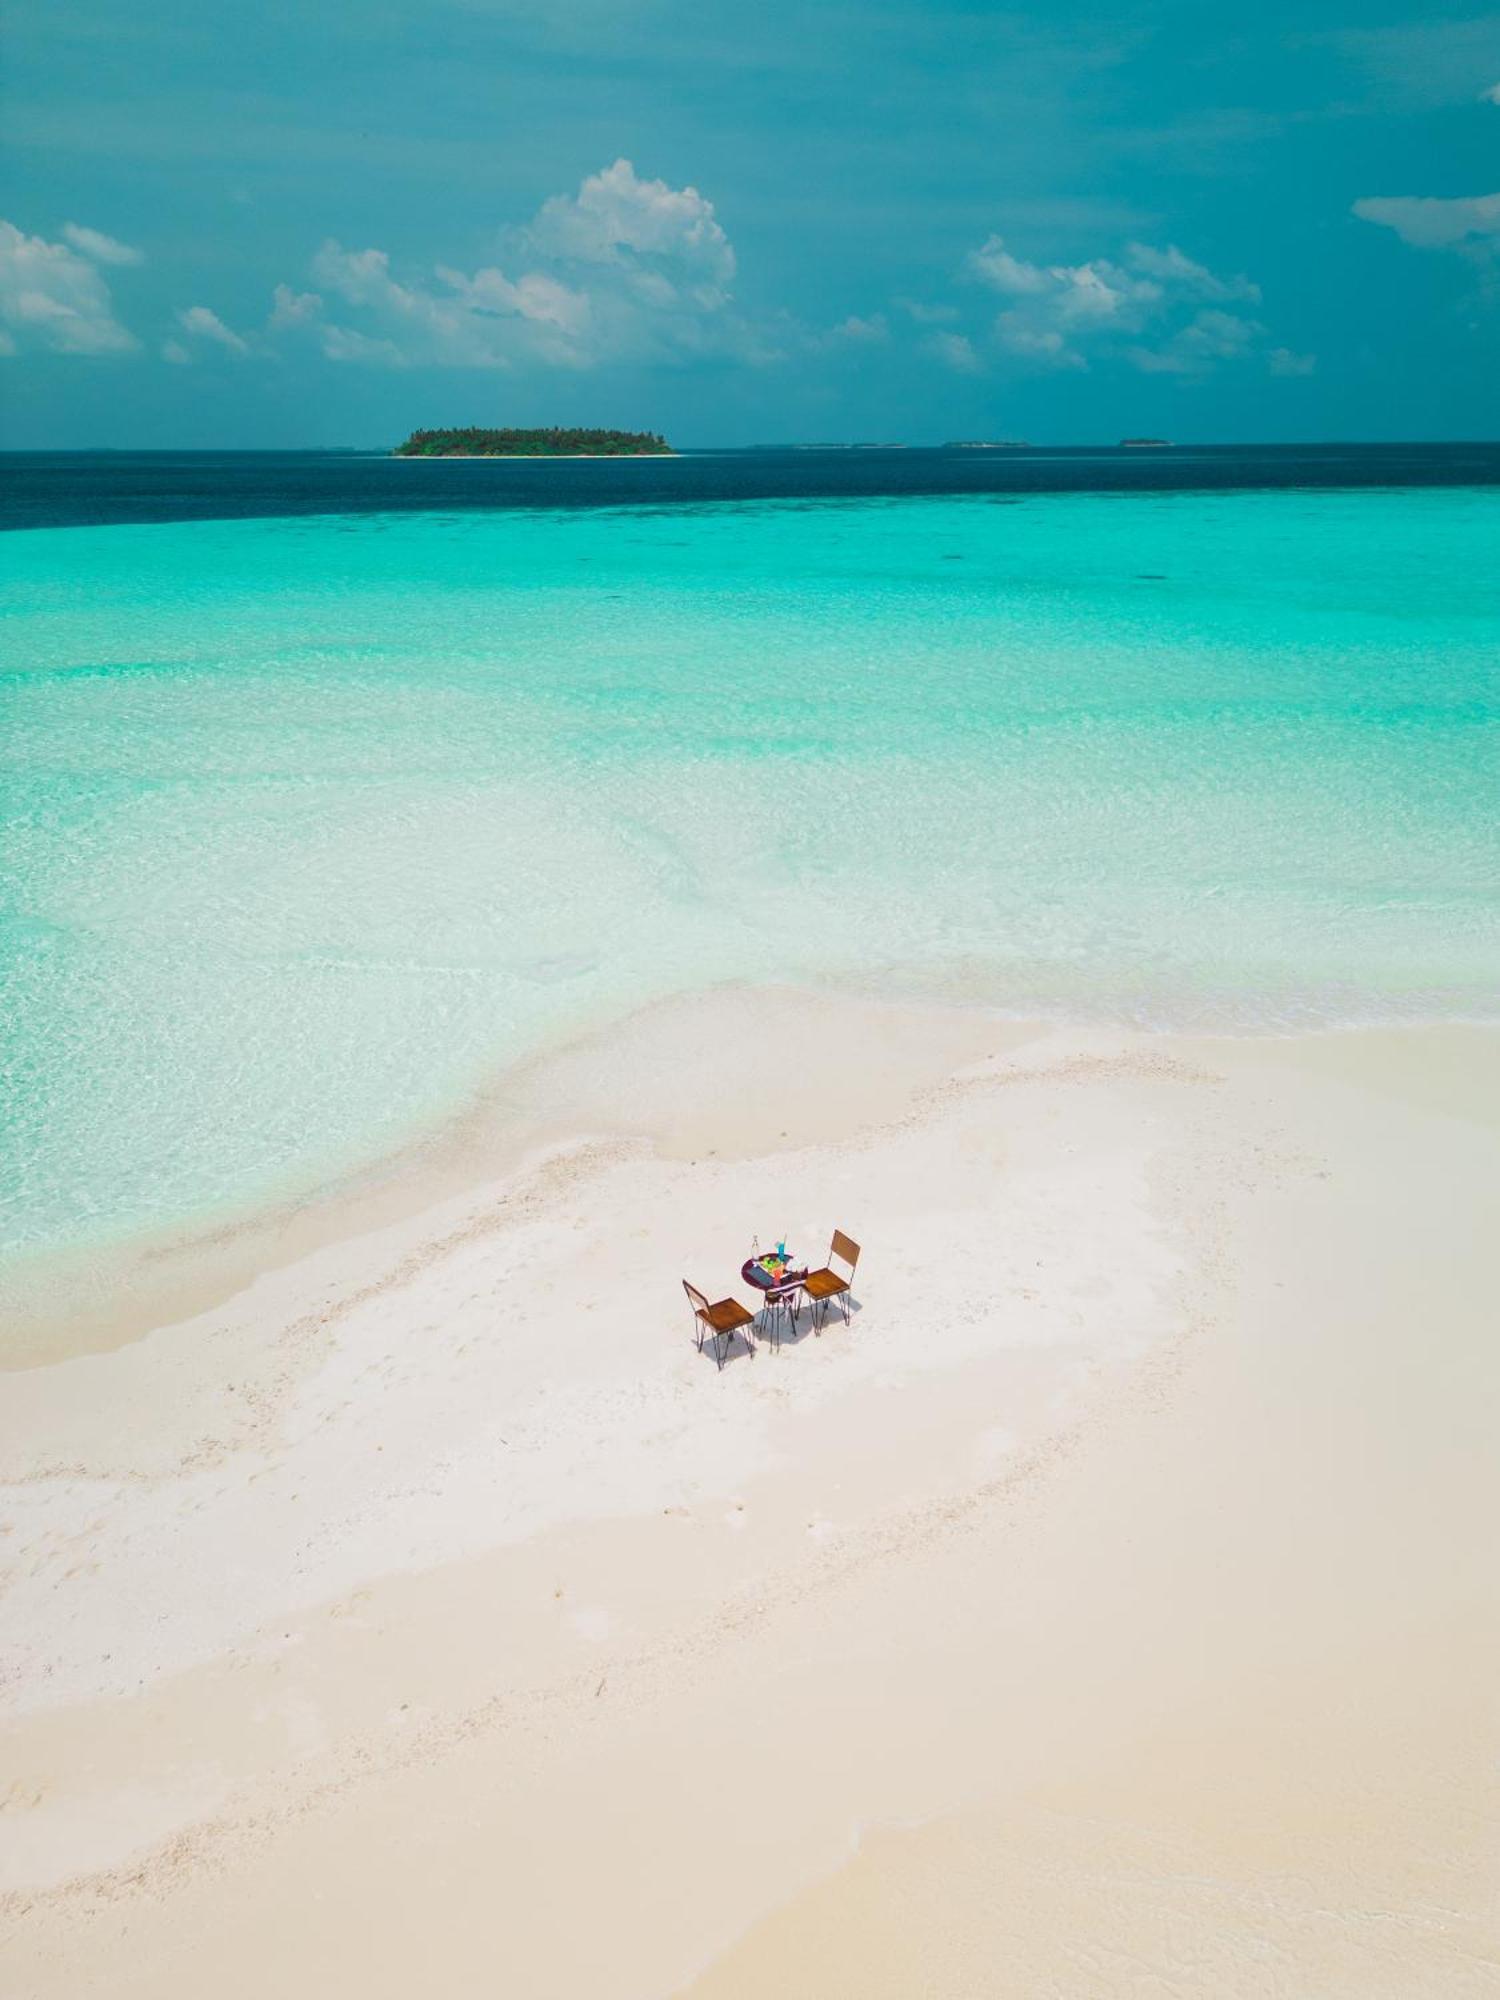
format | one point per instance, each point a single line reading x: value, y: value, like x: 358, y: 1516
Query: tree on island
x: 476, y: 443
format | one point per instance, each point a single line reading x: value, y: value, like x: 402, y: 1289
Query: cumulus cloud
x: 1210, y: 336
x: 1178, y: 273
x: 1157, y: 307
x: 289, y: 308
x: 103, y: 249
x: 644, y: 228
x: 625, y: 269
x: 995, y: 264
x: 928, y: 315
x: 204, y: 324
x: 344, y: 343
x: 1282, y: 361
x: 1043, y: 344
x: 1468, y: 222
x: 53, y: 297
x: 870, y: 332
x: 413, y: 324
x: 955, y: 351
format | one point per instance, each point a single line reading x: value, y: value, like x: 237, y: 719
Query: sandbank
x: 1109, y: 1604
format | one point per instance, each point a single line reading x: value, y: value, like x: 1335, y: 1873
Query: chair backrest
x: 695, y: 1297
x: 846, y: 1248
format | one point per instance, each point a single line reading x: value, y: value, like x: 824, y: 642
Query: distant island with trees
x: 475, y: 443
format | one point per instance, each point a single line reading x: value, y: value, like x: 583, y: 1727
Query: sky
x: 326, y: 222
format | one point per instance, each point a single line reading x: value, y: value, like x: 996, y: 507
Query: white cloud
x: 289, y: 308
x: 995, y: 264
x: 478, y: 320
x: 343, y: 343
x: 1176, y: 272
x: 411, y: 323
x: 176, y: 353
x: 1210, y: 336
x: 51, y: 297
x: 641, y: 226
x: 1040, y: 344
x: 1469, y: 222
x: 1149, y: 303
x: 928, y: 315
x: 1282, y: 361
x: 542, y: 301
x: 206, y: 325
x: 103, y: 249
x: 871, y: 332
x: 955, y: 351
x: 625, y: 269
x: 1490, y: 96
x: 1059, y: 309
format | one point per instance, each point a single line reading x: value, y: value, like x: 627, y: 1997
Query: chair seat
x: 726, y: 1316
x: 824, y: 1284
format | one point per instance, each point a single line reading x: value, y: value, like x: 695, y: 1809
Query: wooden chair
x: 821, y: 1286
x: 723, y: 1320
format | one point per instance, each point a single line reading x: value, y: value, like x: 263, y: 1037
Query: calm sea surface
x: 329, y: 784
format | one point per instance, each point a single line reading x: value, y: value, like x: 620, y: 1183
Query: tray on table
x: 755, y: 1273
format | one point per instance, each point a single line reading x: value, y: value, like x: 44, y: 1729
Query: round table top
x: 754, y: 1273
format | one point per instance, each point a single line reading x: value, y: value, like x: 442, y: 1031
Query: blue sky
x: 319, y: 222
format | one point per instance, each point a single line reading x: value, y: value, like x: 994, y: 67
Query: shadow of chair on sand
x: 793, y: 1326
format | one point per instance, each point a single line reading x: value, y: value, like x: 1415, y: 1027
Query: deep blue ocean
x: 98, y: 489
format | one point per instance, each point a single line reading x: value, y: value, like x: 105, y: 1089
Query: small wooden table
x: 780, y: 1290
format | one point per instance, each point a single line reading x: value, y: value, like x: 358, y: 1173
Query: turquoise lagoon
x: 308, y: 825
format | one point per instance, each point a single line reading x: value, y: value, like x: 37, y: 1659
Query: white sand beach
x: 1108, y: 1607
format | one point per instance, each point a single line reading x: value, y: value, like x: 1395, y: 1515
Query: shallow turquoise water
x: 307, y: 824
